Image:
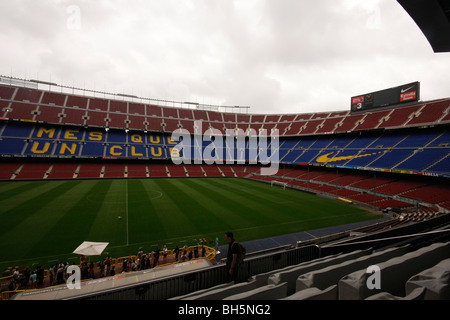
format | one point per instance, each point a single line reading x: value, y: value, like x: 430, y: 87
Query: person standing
x: 157, y: 253
x: 165, y: 253
x: 232, y: 257
x: 91, y: 270
x: 101, y: 265
x: 196, y: 252
x: 184, y: 254
x: 33, y: 280
x: 26, y: 277
x: 59, y: 274
x: 40, y: 276
x: 108, y: 263
x: 16, y: 279
x: 51, y: 274
x: 177, y: 252
x: 203, y: 251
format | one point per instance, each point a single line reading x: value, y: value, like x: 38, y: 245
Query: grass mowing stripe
x: 255, y: 212
x: 244, y: 208
x: 160, y: 211
x: 208, y: 212
x: 310, y: 204
x: 178, y: 209
x: 11, y: 200
x: 21, y: 206
x: 276, y: 194
x: 285, y: 206
x: 166, y: 221
x: 25, y: 231
x: 164, y: 214
x: 304, y: 220
x: 289, y: 204
x: 9, y: 189
x: 106, y: 227
x: 232, y: 215
x: 144, y: 223
x: 73, y: 228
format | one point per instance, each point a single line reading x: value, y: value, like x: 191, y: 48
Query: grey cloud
x: 276, y: 56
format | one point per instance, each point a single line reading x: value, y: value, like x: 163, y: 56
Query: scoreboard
x: 393, y: 96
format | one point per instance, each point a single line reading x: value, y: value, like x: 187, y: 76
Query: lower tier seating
x: 406, y: 274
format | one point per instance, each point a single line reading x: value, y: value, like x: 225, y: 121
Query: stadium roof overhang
x: 433, y: 18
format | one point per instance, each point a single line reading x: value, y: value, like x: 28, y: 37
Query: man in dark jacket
x: 232, y: 263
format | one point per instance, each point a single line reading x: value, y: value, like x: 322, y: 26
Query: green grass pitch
x: 42, y: 222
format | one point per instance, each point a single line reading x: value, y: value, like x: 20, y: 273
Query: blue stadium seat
x: 364, y: 161
x: 417, y: 139
x: 362, y: 142
x: 441, y: 167
x: 308, y: 156
x: 443, y: 139
x: 11, y: 146
x: 421, y: 160
x: 15, y: 130
x: 389, y: 140
x: 391, y: 158
x: 372, y: 149
x: 93, y: 149
x: 39, y: 147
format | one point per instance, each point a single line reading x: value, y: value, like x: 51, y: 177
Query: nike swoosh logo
x: 325, y: 158
x: 405, y: 90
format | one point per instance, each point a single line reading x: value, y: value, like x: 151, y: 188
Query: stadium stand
x: 176, y: 170
x: 87, y: 170
x: 8, y: 170
x: 114, y: 170
x: 36, y: 140
x: 353, y: 285
x: 33, y: 171
x: 433, y: 280
x: 136, y: 170
x: 63, y: 171
x: 396, y: 159
x: 344, y: 275
x: 416, y: 115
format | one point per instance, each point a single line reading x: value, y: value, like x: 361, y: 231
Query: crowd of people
x: 26, y: 280
x: 57, y: 273
x: 150, y: 260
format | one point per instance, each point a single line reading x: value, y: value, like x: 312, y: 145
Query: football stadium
x: 138, y: 196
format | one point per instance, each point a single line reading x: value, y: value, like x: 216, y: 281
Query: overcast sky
x: 277, y: 56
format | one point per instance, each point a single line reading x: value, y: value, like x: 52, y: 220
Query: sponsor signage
x: 389, y: 97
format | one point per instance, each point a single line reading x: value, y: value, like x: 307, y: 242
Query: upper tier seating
x: 52, y: 107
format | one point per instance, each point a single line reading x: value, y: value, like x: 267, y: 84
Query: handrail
x: 12, y: 81
x: 263, y: 252
x: 210, y: 255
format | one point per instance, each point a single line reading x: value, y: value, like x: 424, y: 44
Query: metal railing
x: 172, y: 286
x: 73, y: 90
